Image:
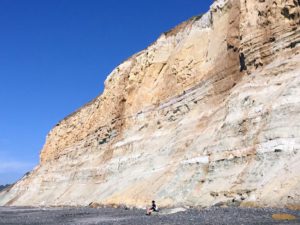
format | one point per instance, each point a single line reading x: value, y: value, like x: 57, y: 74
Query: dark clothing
x: 153, y: 207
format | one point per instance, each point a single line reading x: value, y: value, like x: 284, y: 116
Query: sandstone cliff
x: 208, y: 114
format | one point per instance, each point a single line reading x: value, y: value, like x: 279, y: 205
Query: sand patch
x: 283, y: 216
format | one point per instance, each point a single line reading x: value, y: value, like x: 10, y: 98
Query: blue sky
x: 55, y: 56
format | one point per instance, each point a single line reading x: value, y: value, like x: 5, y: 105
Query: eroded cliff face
x: 209, y: 114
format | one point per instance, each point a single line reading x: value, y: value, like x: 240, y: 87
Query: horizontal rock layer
x: 207, y: 115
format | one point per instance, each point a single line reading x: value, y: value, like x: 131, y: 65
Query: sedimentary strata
x: 207, y: 115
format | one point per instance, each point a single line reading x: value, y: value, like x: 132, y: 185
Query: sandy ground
x: 85, y: 216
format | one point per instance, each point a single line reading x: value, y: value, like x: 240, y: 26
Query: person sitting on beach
x: 153, y: 208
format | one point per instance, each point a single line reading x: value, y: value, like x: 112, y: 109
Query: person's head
x: 153, y: 201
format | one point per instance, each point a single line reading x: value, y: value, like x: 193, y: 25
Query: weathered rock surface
x: 207, y: 115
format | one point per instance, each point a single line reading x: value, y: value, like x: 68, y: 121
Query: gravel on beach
x: 87, y: 216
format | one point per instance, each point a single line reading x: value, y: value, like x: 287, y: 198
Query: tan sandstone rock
x: 207, y: 115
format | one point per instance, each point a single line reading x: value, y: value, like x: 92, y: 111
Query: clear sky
x: 55, y: 56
